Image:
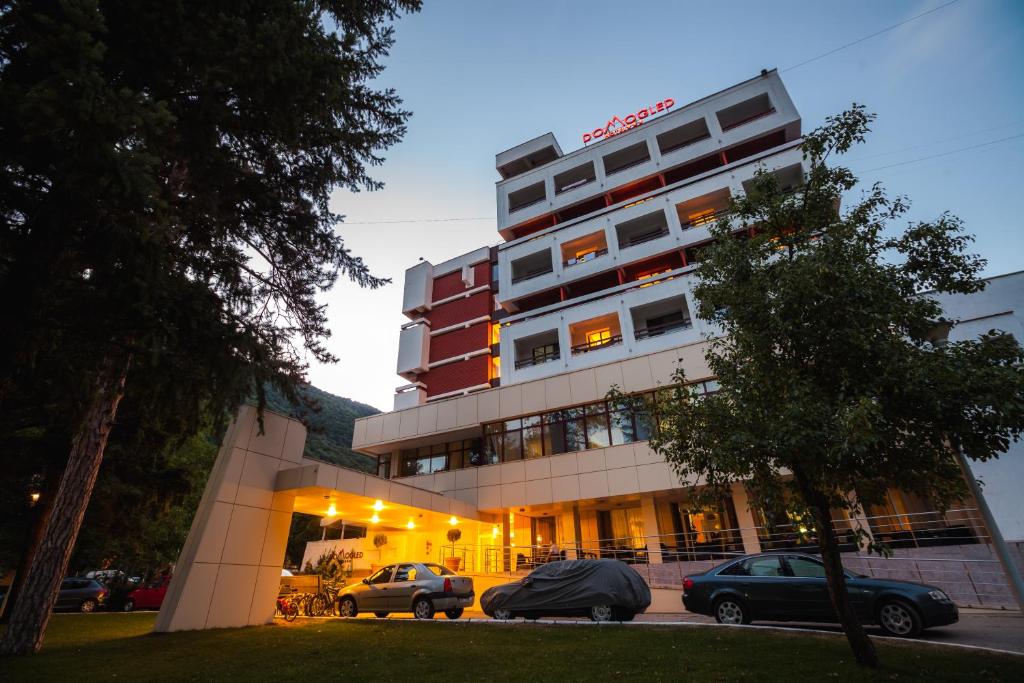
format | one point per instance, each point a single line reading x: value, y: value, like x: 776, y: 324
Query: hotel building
x: 501, y: 426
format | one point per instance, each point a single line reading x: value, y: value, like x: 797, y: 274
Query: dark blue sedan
x: 791, y: 587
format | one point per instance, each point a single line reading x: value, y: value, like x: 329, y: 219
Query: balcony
x: 596, y: 333
x: 537, y: 349
x: 660, y: 318
x: 722, y: 129
x: 646, y: 228
x: 584, y: 249
x: 704, y: 210
x: 531, y: 266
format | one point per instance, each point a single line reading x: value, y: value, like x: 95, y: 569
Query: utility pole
x: 1013, y: 576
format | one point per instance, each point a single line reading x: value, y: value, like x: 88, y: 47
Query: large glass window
x: 441, y: 457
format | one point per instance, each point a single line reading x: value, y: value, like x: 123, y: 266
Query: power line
x: 868, y: 37
x: 421, y: 220
x: 930, y: 143
x: 943, y: 154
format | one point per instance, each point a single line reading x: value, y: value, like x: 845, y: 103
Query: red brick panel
x: 451, y: 284
x: 460, y: 310
x: 455, y: 376
x: 459, y: 341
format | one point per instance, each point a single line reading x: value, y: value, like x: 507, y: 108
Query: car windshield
x: 439, y: 570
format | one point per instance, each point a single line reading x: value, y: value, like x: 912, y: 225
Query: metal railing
x: 538, y: 359
x: 644, y: 237
x: 664, y: 328
x: 530, y: 274
x: 590, y: 256
x: 589, y: 346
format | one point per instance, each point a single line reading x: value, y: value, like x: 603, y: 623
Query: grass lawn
x: 119, y: 647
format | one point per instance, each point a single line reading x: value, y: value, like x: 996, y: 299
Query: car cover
x: 571, y: 584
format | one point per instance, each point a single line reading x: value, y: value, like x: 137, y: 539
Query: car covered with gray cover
x: 603, y: 590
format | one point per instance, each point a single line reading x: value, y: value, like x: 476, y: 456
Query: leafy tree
x: 832, y: 379
x: 165, y: 177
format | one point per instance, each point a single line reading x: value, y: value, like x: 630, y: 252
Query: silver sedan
x: 418, y: 587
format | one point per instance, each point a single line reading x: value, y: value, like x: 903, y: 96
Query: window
x: 383, y: 576
x: 440, y: 457
x: 405, y: 572
x: 804, y: 567
x: 767, y: 565
x: 575, y: 177
x: 599, y: 337
x: 542, y: 354
x: 439, y: 570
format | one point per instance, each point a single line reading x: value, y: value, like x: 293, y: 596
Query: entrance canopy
x: 335, y: 492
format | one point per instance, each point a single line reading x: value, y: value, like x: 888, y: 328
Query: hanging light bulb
x: 375, y: 518
x: 378, y: 506
x: 332, y: 511
x: 494, y: 531
x: 411, y: 524
x: 453, y: 520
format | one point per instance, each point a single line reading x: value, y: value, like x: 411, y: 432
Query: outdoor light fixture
x: 378, y: 506
x: 332, y: 511
x: 375, y: 518
x: 35, y: 496
x: 411, y: 524
x: 453, y: 521
x: 494, y: 531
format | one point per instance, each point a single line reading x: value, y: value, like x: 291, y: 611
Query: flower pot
x: 453, y: 563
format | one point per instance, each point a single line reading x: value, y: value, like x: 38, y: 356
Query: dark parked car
x: 604, y: 590
x: 81, y: 595
x: 791, y: 587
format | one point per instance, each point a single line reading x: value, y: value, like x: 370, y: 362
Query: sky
x: 482, y: 76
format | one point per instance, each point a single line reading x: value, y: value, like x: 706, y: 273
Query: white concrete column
x: 651, y: 531
x: 748, y: 531
x: 229, y: 570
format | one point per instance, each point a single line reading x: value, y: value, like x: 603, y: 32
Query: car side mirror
x: 366, y: 581
x: 527, y: 581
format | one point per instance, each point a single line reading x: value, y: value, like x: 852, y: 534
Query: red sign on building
x: 617, y: 125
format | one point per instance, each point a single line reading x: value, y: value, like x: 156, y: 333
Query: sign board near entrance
x: 620, y: 124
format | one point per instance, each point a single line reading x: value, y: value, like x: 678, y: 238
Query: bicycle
x: 287, y: 608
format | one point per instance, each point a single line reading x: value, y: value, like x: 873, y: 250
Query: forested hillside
x: 330, y: 425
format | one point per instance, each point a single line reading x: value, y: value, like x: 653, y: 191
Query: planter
x: 453, y: 563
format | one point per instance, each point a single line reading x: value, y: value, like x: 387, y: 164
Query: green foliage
x: 329, y: 420
x: 826, y: 361
x: 454, y: 534
x: 379, y: 541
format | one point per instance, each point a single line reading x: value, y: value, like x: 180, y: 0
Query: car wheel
x: 347, y: 607
x: 502, y: 614
x: 731, y: 611
x: 454, y: 613
x: 129, y: 605
x: 381, y: 615
x: 899, y: 619
x: 87, y: 606
x: 601, y: 613
x: 423, y: 609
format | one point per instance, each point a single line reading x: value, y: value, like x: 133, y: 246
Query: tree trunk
x: 863, y: 649
x: 33, y: 537
x: 31, y: 613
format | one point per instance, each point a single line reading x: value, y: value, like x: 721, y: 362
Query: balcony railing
x: 664, y: 328
x: 538, y: 359
x: 586, y: 257
x: 530, y: 274
x: 705, y: 219
x: 596, y: 344
x: 645, y: 237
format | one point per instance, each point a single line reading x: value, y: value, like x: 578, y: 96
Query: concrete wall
x: 229, y: 569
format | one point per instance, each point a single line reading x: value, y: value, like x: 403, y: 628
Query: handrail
x: 538, y: 360
x: 644, y: 237
x: 658, y: 330
x: 590, y: 346
x: 529, y: 275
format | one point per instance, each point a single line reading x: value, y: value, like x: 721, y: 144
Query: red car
x: 148, y: 597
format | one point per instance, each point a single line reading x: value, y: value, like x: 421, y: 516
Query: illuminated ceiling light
x: 375, y: 518
x: 332, y: 511
x: 378, y: 506
x: 494, y: 531
x: 410, y: 524
x: 453, y: 520
x: 539, y: 538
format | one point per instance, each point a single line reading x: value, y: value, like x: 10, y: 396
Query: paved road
x: 982, y: 628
